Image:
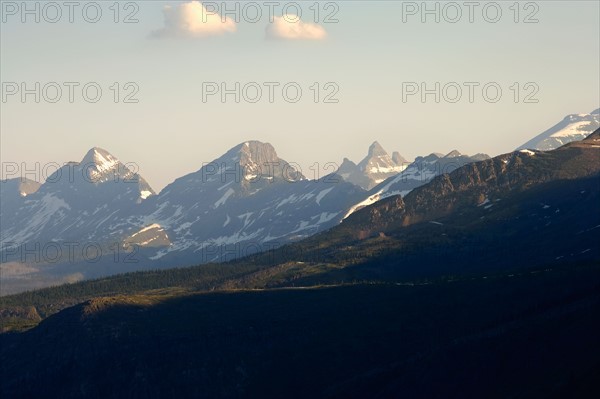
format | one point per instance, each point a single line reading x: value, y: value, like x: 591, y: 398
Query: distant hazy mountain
x: 87, y: 200
x: 418, y: 173
x: 21, y: 185
x: 18, y: 187
x: 12, y: 192
x: 373, y: 169
x: 247, y: 200
x: 572, y: 128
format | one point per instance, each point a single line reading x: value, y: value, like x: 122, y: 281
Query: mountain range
x: 97, y: 217
x: 483, y: 282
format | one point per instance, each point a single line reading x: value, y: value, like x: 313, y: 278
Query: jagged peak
x: 101, y: 166
x: 376, y: 149
x: 99, y: 157
x: 250, y: 152
x: 347, y: 167
x: 376, y: 152
x: 256, y: 158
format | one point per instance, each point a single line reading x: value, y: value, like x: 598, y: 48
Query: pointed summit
x: 346, y: 161
x: 349, y: 171
x: 252, y: 164
x: 376, y: 150
x: 100, y: 158
x: 347, y: 166
x: 373, y: 169
x: 100, y: 166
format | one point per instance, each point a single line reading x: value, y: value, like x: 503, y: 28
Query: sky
x: 162, y: 67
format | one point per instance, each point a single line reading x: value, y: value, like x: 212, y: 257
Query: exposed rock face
x: 482, y: 184
x: 373, y: 169
x: 418, y: 173
x: 251, y: 166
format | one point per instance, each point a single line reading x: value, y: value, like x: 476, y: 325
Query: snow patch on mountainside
x: 528, y: 152
x: 153, y: 226
x: 225, y: 197
x: 369, y: 201
x: 48, y: 207
x: 322, y: 195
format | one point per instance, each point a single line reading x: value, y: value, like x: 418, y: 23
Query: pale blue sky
x: 369, y: 53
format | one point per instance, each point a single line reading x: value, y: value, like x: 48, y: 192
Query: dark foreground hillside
x: 530, y: 335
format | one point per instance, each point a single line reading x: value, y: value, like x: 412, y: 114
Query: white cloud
x: 290, y: 27
x: 193, y: 20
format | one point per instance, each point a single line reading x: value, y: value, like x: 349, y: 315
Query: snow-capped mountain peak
x: 98, y: 163
x: 573, y: 127
x: 376, y: 149
x: 250, y: 164
x: 248, y: 196
x: 373, y: 169
x: 99, y: 157
x: 376, y: 156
